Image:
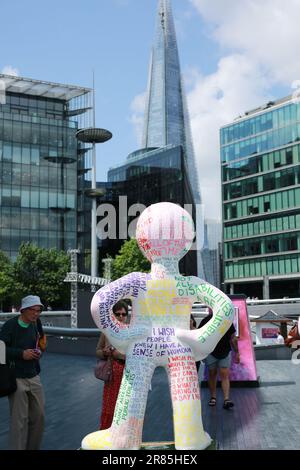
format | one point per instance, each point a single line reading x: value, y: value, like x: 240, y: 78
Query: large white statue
x: 159, y: 332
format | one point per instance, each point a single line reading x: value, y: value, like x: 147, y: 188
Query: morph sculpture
x: 159, y: 334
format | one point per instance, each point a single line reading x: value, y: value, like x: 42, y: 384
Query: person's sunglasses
x: 36, y: 310
x: 120, y: 314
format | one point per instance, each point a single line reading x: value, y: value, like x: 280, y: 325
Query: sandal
x: 228, y: 404
x: 212, y: 401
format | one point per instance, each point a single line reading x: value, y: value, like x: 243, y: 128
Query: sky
x: 235, y: 55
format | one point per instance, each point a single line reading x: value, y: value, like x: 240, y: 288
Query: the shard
x: 166, y: 115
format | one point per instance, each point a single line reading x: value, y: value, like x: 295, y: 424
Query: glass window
x: 273, y: 225
x: 285, y: 221
x: 34, y: 199
x: 26, y: 133
x: 279, y: 223
x: 285, y: 203
x: 291, y: 196
x: 43, y: 200
x: 35, y: 155
x: 252, y: 269
x: 268, y: 225
x: 233, y: 211
x: 25, y: 154
x: 258, y: 268
x: 273, y: 202
x: 278, y: 203
x: 276, y: 266
x: 25, y: 195
x: 16, y: 153
x: 256, y: 228
x: 7, y: 151
x: 295, y: 267
x: 7, y: 130
x: 296, y: 154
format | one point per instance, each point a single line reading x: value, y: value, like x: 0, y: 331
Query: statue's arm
x: 204, y: 340
x: 127, y: 287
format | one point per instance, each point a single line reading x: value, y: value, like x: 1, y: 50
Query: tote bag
x: 103, y: 370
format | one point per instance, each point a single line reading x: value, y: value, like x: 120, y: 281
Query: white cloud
x: 267, y: 32
x: 137, y: 108
x: 260, y: 43
x: 215, y: 100
x: 9, y: 70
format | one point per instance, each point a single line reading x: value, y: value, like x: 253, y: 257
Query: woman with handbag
x: 106, y: 351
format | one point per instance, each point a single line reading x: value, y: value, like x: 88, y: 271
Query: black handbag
x: 8, y: 382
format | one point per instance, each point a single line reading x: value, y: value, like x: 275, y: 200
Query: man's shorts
x: 213, y: 363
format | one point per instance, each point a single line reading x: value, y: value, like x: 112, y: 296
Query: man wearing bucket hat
x: 21, y: 335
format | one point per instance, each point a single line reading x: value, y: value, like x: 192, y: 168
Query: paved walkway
x: 267, y: 417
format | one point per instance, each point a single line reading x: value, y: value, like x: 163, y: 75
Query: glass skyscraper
x: 166, y: 116
x: 166, y: 119
x: 42, y: 166
x: 149, y: 176
x: 260, y: 155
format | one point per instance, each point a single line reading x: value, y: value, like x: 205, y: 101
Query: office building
x: 148, y: 176
x: 42, y: 166
x: 260, y: 154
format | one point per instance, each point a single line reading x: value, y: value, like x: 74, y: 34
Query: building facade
x: 260, y: 154
x: 148, y: 176
x: 42, y: 166
x: 166, y: 118
x: 211, y: 252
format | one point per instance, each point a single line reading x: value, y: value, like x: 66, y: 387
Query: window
x: 233, y: 211
x: 289, y: 156
x: 252, y: 210
x: 7, y: 152
x: 255, y: 248
x: 269, y: 182
x: 290, y: 243
x: 272, y: 245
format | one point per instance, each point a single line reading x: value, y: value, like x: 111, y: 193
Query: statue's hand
x: 191, y: 338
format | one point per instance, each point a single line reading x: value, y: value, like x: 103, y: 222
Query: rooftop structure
x: 28, y: 86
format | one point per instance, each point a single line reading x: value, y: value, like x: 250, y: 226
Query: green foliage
x: 130, y: 259
x: 7, y: 287
x: 42, y: 272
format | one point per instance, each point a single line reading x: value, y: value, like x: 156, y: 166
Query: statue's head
x: 165, y: 230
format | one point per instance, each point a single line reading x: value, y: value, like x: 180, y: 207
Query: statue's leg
x: 185, y: 395
x: 127, y: 426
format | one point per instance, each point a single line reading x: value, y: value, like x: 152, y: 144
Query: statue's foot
x: 203, y: 444
x: 99, y: 440
x: 102, y: 440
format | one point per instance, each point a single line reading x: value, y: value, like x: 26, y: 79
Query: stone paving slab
x: 266, y: 418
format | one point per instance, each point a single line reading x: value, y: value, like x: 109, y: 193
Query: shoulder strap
x: 40, y: 327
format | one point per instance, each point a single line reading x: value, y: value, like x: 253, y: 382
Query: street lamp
x: 93, y: 135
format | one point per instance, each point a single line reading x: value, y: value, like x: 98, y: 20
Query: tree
x: 42, y: 272
x: 130, y: 259
x: 7, y: 287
